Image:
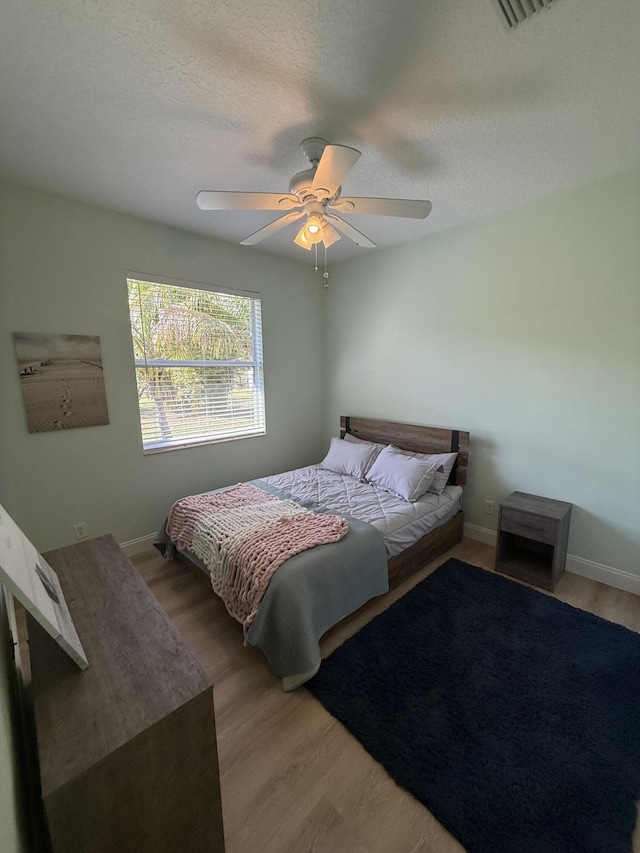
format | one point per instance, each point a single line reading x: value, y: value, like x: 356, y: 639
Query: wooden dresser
x: 127, y: 748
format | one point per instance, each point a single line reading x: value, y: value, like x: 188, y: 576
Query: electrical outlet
x: 80, y: 530
x: 490, y: 507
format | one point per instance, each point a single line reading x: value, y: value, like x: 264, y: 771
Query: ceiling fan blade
x: 221, y: 200
x: 409, y: 208
x: 329, y: 235
x: 334, y: 166
x: 350, y: 231
x: 271, y: 228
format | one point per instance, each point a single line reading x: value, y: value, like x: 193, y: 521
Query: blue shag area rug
x: 515, y: 718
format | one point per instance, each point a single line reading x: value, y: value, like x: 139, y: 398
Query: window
x: 198, y: 357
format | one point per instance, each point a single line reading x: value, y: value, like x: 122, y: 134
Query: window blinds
x: 198, y: 361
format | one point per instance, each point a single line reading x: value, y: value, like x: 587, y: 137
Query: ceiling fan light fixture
x: 313, y: 229
x: 302, y: 240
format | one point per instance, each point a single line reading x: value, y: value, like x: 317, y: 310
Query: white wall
x: 525, y: 330
x: 63, y: 269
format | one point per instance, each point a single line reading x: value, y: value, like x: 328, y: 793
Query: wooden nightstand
x: 532, y: 539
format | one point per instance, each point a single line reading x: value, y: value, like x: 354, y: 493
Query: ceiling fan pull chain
x: 325, y: 275
x: 316, y: 248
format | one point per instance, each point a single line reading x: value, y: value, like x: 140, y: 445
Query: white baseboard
x: 608, y: 575
x: 480, y: 534
x: 137, y: 546
x: 604, y: 574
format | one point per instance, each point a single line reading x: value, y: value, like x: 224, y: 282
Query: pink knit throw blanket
x: 243, y: 535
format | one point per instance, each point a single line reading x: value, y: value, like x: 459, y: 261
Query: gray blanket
x: 310, y: 593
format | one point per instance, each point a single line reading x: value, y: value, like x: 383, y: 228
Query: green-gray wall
x: 63, y: 269
x: 525, y: 330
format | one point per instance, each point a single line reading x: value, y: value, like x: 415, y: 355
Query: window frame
x: 255, y: 364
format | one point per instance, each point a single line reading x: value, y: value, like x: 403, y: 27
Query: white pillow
x: 443, y: 461
x: 403, y: 475
x: 376, y: 449
x: 346, y: 458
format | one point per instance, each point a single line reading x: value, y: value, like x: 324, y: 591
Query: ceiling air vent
x: 514, y: 12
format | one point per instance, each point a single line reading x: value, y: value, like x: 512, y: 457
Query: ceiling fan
x: 315, y: 193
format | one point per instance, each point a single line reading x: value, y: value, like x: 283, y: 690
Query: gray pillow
x: 444, y: 463
x: 347, y: 458
x: 376, y: 449
x: 405, y: 476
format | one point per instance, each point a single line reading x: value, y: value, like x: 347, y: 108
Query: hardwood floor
x: 293, y: 779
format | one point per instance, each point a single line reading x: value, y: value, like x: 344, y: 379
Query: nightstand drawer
x: 535, y: 527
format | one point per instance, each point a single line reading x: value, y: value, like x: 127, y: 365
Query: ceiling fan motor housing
x: 300, y: 184
x: 313, y: 149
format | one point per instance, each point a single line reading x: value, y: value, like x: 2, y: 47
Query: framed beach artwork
x: 62, y: 380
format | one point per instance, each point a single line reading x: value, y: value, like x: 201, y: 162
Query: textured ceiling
x: 136, y: 105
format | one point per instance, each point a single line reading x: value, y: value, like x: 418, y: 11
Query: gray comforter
x: 310, y: 593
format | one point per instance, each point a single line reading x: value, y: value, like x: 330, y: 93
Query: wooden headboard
x: 421, y: 439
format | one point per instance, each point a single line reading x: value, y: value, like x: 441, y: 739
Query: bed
x: 319, y: 586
